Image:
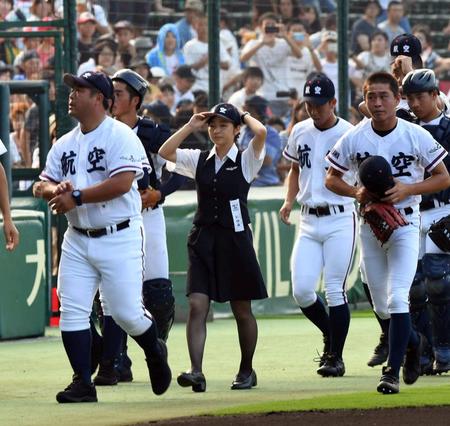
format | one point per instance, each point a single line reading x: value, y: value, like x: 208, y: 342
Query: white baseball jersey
x: 91, y: 158
x: 309, y: 146
x: 409, y: 149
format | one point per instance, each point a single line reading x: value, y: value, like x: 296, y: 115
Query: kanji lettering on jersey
x: 303, y: 156
x: 401, y: 162
x: 67, y: 163
x: 94, y: 157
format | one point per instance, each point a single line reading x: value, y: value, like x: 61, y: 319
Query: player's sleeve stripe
x: 48, y: 178
x: 433, y: 164
x: 114, y: 171
x: 336, y: 165
x: 289, y: 157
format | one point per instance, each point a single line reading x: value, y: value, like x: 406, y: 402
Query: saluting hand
x: 198, y: 120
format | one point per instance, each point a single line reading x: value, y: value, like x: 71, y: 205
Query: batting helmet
x: 422, y: 80
x: 132, y: 79
x: 376, y: 175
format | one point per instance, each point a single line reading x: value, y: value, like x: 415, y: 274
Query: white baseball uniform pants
x: 390, y: 269
x: 115, y: 262
x: 324, y: 243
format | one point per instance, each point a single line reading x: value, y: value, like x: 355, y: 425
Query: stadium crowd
x: 263, y: 63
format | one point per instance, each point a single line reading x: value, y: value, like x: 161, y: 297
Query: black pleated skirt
x: 223, y: 264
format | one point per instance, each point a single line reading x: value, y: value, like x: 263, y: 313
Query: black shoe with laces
x: 380, y: 353
x: 77, y: 391
x: 411, y: 365
x: 332, y: 367
x: 107, y: 375
x: 389, y: 383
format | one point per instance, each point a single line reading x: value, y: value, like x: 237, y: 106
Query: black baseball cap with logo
x: 406, y: 45
x: 92, y: 80
x: 375, y: 174
x: 227, y: 111
x: 318, y: 89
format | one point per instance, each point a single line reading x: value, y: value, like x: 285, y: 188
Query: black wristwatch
x: 243, y: 116
x: 76, y: 194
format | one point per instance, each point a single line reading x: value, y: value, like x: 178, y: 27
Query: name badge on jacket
x: 237, y: 215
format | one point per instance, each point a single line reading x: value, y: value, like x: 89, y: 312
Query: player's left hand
x: 150, y: 198
x: 62, y: 203
x: 397, y: 193
x: 285, y: 212
x: 11, y: 235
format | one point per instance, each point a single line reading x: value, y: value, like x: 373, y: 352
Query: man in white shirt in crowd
x: 253, y: 79
x: 184, y: 80
x: 270, y: 52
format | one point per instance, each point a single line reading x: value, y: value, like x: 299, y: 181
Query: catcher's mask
x: 376, y: 175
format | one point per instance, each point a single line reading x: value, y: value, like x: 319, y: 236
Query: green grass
x: 32, y: 371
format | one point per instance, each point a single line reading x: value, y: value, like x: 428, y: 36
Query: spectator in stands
x: 196, y: 56
x: 192, y: 10
x: 6, y: 72
x: 125, y: 33
x: 404, y: 22
x: 259, y: 8
x: 17, y: 118
x: 105, y: 55
x: 299, y: 68
x: 40, y: 9
x: 167, y: 95
x: 364, y: 27
x: 227, y: 38
x: 270, y: 52
x: 329, y: 25
x: 86, y: 24
x: 142, y: 46
x: 184, y: 80
x: 46, y: 47
x: 158, y: 112
x: 253, y: 79
x: 287, y: 9
x: 167, y: 53
x: 29, y: 43
x: 391, y: 26
x: 268, y: 175
x: 201, y: 102
x: 30, y: 66
x: 430, y: 58
x: 310, y: 15
x: 5, y: 8
x: 378, y: 58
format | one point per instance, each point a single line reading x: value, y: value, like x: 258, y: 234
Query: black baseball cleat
x: 107, y: 375
x: 122, y: 365
x: 411, y: 365
x: 245, y: 383
x: 159, y: 370
x: 332, y: 367
x: 77, y: 391
x: 380, y: 353
x: 389, y: 383
x: 194, y: 379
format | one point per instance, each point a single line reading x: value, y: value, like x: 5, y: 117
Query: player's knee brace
x: 159, y: 301
x: 436, y: 268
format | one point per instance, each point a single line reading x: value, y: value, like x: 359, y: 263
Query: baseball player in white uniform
x: 327, y: 222
x: 90, y: 175
x: 390, y: 268
x: 9, y: 230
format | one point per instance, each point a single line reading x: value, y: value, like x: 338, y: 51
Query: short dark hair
x: 394, y: 3
x: 166, y: 87
x: 101, y: 45
x: 423, y: 29
x: 382, y: 78
x: 268, y: 15
x: 379, y: 33
x: 253, y: 72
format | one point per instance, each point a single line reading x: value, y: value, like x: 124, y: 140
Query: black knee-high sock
x: 78, y: 349
x: 339, y: 324
x: 113, y: 337
x: 148, y: 341
x: 399, y: 335
x: 318, y: 315
x: 384, y: 323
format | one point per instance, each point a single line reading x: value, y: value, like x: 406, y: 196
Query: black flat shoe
x: 246, y: 383
x: 196, y: 380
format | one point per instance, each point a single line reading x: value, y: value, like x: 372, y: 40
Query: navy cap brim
x: 213, y: 115
x: 316, y: 100
x: 74, y: 81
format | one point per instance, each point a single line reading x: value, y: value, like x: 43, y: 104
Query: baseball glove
x: 383, y: 219
x: 440, y: 233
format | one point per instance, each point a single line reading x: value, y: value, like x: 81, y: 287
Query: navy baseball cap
x: 92, y: 80
x: 227, y: 111
x: 407, y: 45
x: 318, y: 89
x: 375, y: 174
